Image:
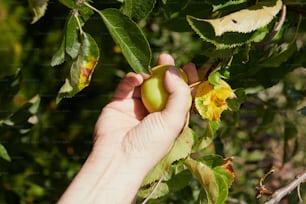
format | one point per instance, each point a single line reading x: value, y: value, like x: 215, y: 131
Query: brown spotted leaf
x: 81, y: 69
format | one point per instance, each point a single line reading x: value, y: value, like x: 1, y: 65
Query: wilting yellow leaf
x: 210, y: 101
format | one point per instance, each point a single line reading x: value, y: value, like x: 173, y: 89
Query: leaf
x: 3, y: 153
x: 222, y: 5
x: 161, y: 190
x: 214, y: 78
x: 210, y: 100
x: 136, y: 9
x: 227, y: 40
x: 280, y: 54
x: 80, y: 7
x: 208, y: 135
x: 206, y: 177
x: 179, y: 180
x: 246, y: 20
x: 303, y: 111
x: 39, y: 8
x: 81, y: 69
x: 129, y: 37
x: 59, y: 57
x: 71, y: 37
x: 25, y: 117
x: 180, y: 150
x: 235, y: 103
x: 215, y: 178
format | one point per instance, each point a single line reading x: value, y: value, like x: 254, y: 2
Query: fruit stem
x: 194, y: 84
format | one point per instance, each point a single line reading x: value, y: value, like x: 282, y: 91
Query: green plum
x: 153, y: 93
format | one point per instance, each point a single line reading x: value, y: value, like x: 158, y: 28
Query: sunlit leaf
x: 206, y: 177
x: 228, y: 39
x: 180, y: 150
x: 215, y: 175
x: 81, y: 69
x: 39, y: 8
x: 3, y: 153
x: 246, y: 20
x: 129, y: 37
x: 214, y: 78
x: 161, y: 190
x: 210, y: 100
x: 136, y: 9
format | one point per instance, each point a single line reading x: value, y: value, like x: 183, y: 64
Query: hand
x: 129, y: 141
x: 126, y: 125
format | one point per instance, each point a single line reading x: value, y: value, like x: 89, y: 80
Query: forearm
x: 111, y: 179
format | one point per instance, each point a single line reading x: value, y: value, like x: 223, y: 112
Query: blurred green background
x: 48, y: 142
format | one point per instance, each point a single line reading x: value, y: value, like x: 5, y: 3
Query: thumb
x: 178, y: 100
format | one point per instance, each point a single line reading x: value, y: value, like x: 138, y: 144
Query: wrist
x: 112, y: 178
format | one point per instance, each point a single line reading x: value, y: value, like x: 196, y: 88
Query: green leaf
x: 179, y: 180
x: 235, y: 103
x: 136, y: 9
x: 71, y: 37
x: 161, y: 190
x: 214, y: 78
x: 208, y: 135
x: 39, y: 8
x: 69, y: 3
x: 81, y: 69
x: 279, y: 55
x: 83, y: 9
x: 3, y: 153
x: 129, y: 37
x: 206, y: 177
x: 180, y: 150
x: 215, y: 178
x: 223, y: 5
x: 246, y: 20
x: 59, y: 57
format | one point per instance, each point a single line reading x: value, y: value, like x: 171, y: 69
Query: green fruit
x: 153, y: 93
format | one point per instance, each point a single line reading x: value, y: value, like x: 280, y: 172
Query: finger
x: 177, y: 105
x: 192, y: 73
x: 126, y: 87
x: 165, y: 59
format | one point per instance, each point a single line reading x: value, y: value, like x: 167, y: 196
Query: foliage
x: 62, y: 60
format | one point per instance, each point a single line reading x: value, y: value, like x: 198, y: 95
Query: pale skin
x: 129, y: 141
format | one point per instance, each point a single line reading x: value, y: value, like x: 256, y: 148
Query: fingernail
x: 174, y: 71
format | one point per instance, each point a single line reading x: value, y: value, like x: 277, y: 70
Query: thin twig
x: 282, y: 192
x: 153, y: 191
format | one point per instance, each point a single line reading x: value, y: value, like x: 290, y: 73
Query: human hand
x: 129, y: 141
x: 125, y: 125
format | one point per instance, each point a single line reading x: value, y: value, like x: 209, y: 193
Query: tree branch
x: 282, y: 192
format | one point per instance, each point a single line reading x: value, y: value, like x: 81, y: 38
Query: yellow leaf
x: 210, y: 101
